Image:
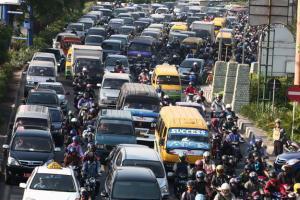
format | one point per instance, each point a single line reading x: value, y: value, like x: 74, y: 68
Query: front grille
x: 280, y: 161
x: 29, y: 163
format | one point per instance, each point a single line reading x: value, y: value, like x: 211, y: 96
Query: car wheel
x: 7, y: 177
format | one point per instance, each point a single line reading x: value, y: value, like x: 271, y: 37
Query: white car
x: 50, y: 182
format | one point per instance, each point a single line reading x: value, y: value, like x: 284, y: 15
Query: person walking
x: 279, y: 136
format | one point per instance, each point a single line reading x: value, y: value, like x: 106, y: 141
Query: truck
x: 81, y: 50
x: 204, y: 30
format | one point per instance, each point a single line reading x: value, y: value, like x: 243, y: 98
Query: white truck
x: 204, y: 29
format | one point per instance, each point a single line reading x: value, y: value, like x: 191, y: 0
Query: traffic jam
x: 120, y: 96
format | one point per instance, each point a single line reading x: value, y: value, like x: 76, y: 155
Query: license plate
x: 26, y: 175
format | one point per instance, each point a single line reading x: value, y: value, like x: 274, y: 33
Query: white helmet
x: 74, y: 120
x: 228, y: 106
x: 225, y: 186
x: 206, y: 154
x: 229, y: 117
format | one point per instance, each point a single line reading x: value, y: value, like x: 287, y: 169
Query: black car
x: 28, y: 148
x: 57, y: 121
x: 43, y: 97
x: 131, y: 183
x: 59, y: 56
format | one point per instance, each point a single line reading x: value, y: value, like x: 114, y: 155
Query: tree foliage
x: 5, y: 34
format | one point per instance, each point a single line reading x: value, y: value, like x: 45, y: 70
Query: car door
x: 118, y: 161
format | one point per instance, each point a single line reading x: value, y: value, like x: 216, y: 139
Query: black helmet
x: 190, y: 183
x: 272, y: 174
x: 234, y: 129
x: 247, y: 168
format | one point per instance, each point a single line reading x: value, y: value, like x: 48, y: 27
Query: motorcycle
x: 90, y: 186
x: 180, y: 185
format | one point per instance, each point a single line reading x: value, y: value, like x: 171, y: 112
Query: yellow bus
x: 181, y: 130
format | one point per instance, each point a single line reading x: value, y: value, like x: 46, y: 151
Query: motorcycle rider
x: 200, y: 183
x: 218, y: 105
x: 76, y: 145
x: 198, y: 167
x: 166, y: 101
x: 84, y: 100
x: 257, y: 147
x: 160, y: 92
x: 180, y: 168
x: 225, y: 193
x: 143, y: 77
x: 252, y: 184
x: 273, y: 185
x: 208, y: 165
x: 190, y: 193
x: 286, y: 176
x: 244, y: 176
x: 229, y: 111
x: 119, y: 67
x: 72, y: 158
x: 190, y: 89
x: 229, y: 123
x: 90, y: 91
x: 219, y: 178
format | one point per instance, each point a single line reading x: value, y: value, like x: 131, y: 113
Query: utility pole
x: 297, y: 59
x: 30, y: 27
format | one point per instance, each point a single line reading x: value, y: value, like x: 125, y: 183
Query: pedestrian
x: 279, y: 136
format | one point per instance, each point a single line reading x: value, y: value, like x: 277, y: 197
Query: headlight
x: 164, y: 189
x: 153, y: 125
x: 12, y: 161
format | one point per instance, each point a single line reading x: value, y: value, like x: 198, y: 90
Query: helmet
x: 296, y: 187
x: 70, y: 112
x: 272, y: 174
x: 200, y: 174
x: 195, y: 64
x: 198, y: 163
x: 84, y: 69
x: 182, y: 157
x: 277, y: 121
x: 224, y: 158
x: 73, y: 132
x: 228, y: 106
x: 91, y: 146
x: 225, y: 186
x: 166, y: 97
x: 206, y: 154
x: 75, y: 139
x: 200, y: 197
x: 72, y: 150
x: 190, y: 183
x: 74, y: 120
x: 253, y: 176
x: 220, y: 168
x: 234, y: 128
x: 228, y: 117
x: 258, y: 140
x: 233, y: 180
x: 219, y: 96
x: 286, y: 168
x: 190, y: 83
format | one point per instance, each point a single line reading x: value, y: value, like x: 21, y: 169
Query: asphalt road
x: 13, y: 192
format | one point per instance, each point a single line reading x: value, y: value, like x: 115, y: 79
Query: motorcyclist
x: 252, y: 184
x: 72, y: 158
x: 89, y: 89
x: 229, y: 123
x: 195, y: 68
x: 236, y: 188
x: 76, y: 145
x: 166, y: 101
x: 244, y: 176
x: 198, y: 167
x: 225, y: 193
x: 90, y: 152
x: 273, y: 185
x: 190, y: 193
x: 286, y: 176
x: 297, y: 189
x: 218, y: 105
x: 84, y: 100
x: 192, y: 77
x: 181, y: 169
x: 200, y: 183
x: 190, y: 89
x: 229, y: 111
x: 219, y: 178
x: 119, y: 67
x: 233, y: 136
x: 143, y: 77
x: 259, y: 166
x: 257, y: 147
x: 208, y: 164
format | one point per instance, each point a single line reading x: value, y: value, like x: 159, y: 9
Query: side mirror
x: 22, y: 185
x: 5, y: 146
x: 57, y: 149
x: 104, y: 194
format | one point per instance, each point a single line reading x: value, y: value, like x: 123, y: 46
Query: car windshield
x: 41, y: 71
x: 55, y: 115
x: 26, y: 121
x: 87, y: 25
x: 135, y: 46
x: 142, y: 103
x: 123, y: 40
x: 115, y: 25
x: 151, y: 34
x: 111, y: 61
x: 189, y: 63
x: 91, y: 39
x: 111, y: 46
x: 54, y: 51
x: 117, y: 127
x: 97, y: 32
x: 136, y: 190
x: 115, y: 84
x: 44, y: 59
x: 168, y: 80
x: 155, y: 166
x: 53, y: 182
x: 126, y: 31
x: 32, y: 143
x: 76, y: 27
x: 42, y: 98
x: 187, y: 136
x: 92, y: 65
x: 57, y: 88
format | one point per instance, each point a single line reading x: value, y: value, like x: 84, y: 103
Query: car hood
x: 57, y: 125
x: 49, y: 195
x: 113, y: 139
x: 109, y: 93
x: 142, y: 112
x: 290, y: 155
x: 32, y: 156
x: 39, y: 79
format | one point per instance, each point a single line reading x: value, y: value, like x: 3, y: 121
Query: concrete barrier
x: 220, y: 71
x: 230, y: 82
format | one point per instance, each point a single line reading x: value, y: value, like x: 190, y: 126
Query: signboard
x: 10, y: 2
x: 278, y: 11
x: 294, y: 93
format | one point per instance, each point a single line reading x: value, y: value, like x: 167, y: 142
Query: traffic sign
x: 294, y: 93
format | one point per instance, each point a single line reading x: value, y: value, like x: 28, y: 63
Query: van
x: 144, y: 104
x: 113, y: 127
x: 181, y: 130
x: 219, y: 22
x: 168, y: 78
x: 49, y: 57
x: 33, y: 116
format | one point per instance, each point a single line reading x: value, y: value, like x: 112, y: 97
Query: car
x: 43, y: 97
x: 59, y: 56
x: 49, y: 57
x: 57, y: 121
x: 131, y: 183
x: 78, y: 27
x: 60, y: 91
x: 127, y: 30
x: 146, y: 157
x: 110, y: 62
x: 112, y: 47
x: 93, y: 40
x: 100, y: 31
x: 123, y: 38
x: 39, y: 71
x: 28, y: 148
x: 110, y: 88
x: 88, y: 23
x: 186, y: 66
x: 115, y: 23
x: 284, y: 158
x: 51, y: 181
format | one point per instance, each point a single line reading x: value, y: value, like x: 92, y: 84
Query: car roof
x: 135, y: 174
x: 41, y: 63
x: 115, y: 114
x: 32, y: 132
x: 42, y: 90
x: 166, y: 69
x: 112, y: 41
x: 43, y: 54
x: 143, y: 40
x: 139, y: 89
x: 116, y: 75
x: 97, y: 28
x: 33, y: 111
x: 116, y: 56
x: 76, y: 23
x: 132, y: 145
x: 132, y: 153
x: 51, y: 83
x: 120, y: 36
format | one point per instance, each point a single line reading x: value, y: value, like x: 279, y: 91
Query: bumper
x: 21, y: 172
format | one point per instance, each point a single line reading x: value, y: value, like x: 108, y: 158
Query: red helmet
x: 199, y: 163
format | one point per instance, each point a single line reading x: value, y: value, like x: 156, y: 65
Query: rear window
x: 42, y: 98
x: 155, y: 166
x: 27, y: 121
x: 117, y: 127
x: 168, y: 80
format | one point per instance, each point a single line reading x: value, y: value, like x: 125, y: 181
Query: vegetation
x: 5, y: 35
